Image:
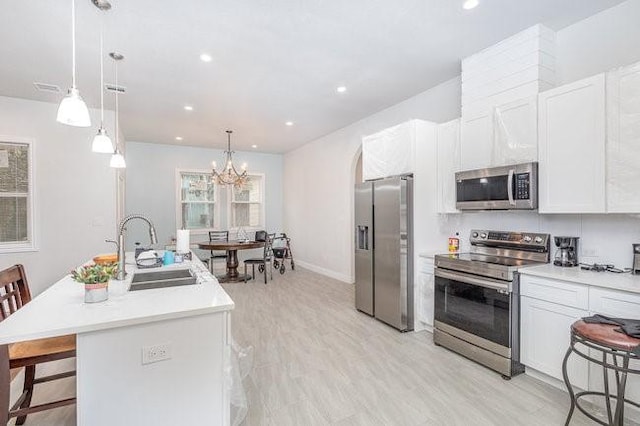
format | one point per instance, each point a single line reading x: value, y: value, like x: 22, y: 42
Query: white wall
x: 601, y: 42
x: 75, y: 194
x: 318, y: 177
x: 150, y: 185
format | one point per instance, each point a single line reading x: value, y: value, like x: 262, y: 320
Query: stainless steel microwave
x: 498, y: 188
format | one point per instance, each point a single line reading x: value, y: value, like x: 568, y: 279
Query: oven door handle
x: 510, y: 187
x: 500, y: 286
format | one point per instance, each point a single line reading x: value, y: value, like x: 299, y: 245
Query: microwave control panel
x: 522, y: 186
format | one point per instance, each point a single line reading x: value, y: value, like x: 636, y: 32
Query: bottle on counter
x: 454, y: 243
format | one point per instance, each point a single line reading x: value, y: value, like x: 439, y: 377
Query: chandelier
x: 229, y: 175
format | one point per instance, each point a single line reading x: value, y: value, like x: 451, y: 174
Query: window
x: 247, y: 204
x: 16, y: 195
x: 196, y: 196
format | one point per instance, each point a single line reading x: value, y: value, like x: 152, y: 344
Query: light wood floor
x: 320, y: 362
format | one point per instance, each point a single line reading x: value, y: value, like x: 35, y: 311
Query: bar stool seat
x: 610, y: 349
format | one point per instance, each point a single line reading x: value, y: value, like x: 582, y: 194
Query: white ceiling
x: 273, y: 60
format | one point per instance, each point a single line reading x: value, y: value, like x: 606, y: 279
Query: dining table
x: 231, y: 247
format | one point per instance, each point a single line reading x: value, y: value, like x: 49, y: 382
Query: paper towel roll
x: 182, y: 242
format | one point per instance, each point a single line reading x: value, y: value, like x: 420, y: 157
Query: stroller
x: 281, y: 252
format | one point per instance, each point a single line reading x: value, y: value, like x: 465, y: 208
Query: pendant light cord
x: 101, y: 73
x: 73, y: 42
x: 117, y: 113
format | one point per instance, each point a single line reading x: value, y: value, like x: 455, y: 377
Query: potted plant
x: 95, y: 278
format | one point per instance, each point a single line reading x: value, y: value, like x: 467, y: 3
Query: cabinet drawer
x: 561, y: 292
x: 614, y: 303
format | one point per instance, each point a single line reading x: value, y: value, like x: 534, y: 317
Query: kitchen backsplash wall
x: 603, y: 238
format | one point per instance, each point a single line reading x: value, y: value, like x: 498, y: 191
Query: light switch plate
x: 155, y: 353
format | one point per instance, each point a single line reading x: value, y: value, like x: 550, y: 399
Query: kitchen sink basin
x: 161, y: 279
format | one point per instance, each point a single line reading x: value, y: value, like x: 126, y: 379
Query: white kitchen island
x: 114, y: 385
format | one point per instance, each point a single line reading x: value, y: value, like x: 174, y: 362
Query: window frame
x: 179, y: 202
x: 31, y: 243
x: 231, y: 202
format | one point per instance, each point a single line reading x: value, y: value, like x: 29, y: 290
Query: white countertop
x: 430, y: 254
x: 611, y: 280
x: 61, y: 310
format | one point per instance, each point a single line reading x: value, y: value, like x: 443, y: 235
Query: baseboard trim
x: 324, y: 271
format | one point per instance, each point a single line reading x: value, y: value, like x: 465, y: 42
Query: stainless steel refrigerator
x: 384, y: 250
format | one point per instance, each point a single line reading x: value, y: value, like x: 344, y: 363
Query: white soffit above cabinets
x: 271, y: 61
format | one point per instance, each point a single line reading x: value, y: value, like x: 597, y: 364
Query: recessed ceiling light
x: 341, y: 89
x: 188, y: 108
x: 470, y: 4
x: 178, y: 138
x: 205, y: 57
x: 254, y: 146
x: 289, y: 123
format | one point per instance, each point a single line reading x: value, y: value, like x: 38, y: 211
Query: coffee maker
x: 567, y: 252
x: 635, y: 269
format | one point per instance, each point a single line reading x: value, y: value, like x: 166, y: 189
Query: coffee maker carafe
x: 567, y: 252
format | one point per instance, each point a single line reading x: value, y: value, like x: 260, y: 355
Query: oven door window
x: 478, y: 310
x: 494, y: 188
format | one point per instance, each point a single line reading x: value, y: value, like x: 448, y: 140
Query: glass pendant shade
x: 102, y: 142
x: 73, y: 111
x: 117, y: 160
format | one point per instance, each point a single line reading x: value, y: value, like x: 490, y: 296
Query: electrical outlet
x: 155, y: 353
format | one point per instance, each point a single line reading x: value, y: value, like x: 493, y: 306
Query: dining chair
x: 216, y: 254
x: 267, y: 257
x: 14, y: 294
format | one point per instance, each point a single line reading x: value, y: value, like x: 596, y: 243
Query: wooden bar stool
x: 14, y: 294
x: 610, y: 349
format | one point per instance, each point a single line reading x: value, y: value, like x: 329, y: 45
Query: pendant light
x: 72, y: 110
x: 101, y: 141
x: 117, y: 159
x: 229, y: 175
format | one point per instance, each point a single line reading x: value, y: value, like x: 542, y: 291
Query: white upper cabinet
x: 499, y: 86
x: 515, y: 132
x: 390, y: 152
x: 448, y: 136
x: 571, y: 147
x: 476, y: 138
x: 623, y: 140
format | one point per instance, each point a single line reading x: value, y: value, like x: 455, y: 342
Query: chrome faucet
x: 121, y: 273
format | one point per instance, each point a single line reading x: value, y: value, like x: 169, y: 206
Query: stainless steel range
x: 477, y: 297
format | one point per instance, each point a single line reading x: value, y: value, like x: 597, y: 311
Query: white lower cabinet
x: 617, y: 304
x: 545, y: 337
x: 424, y: 296
x: 548, y: 307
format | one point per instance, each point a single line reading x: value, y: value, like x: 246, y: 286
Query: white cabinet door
x: 448, y: 164
x: 424, y: 296
x: 545, y: 336
x: 572, y: 147
x: 515, y: 133
x: 476, y: 138
x: 617, y: 304
x: 390, y: 152
x: 623, y: 140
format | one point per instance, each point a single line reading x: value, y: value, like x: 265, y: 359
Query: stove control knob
x: 538, y: 240
x: 474, y: 235
x: 483, y: 235
x: 526, y: 238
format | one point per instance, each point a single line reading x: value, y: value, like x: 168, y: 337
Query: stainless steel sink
x: 161, y: 279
